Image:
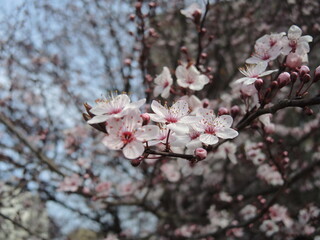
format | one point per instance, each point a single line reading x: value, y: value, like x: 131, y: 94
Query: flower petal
x: 159, y: 109
x: 227, y: 133
x: 98, y: 119
x: 112, y: 142
x: 147, y: 133
x: 133, y: 150
x: 208, y: 139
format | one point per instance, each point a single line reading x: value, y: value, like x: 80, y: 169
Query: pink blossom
x: 254, y: 72
x: 103, y: 189
x: 269, y: 174
x: 296, y: 43
x: 212, y: 127
x: 248, y: 212
x: 129, y: 135
x: 176, y: 117
x: 269, y: 227
x: 264, y: 53
x: 190, y: 77
x: 70, y: 184
x: 115, y: 107
x: 190, y: 11
x: 163, y: 83
x: 170, y: 172
x: 200, y: 153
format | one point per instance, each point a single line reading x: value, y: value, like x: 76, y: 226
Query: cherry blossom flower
x: 103, y: 189
x: 272, y: 39
x: 129, y: 134
x: 190, y: 141
x: 170, y: 172
x: 227, y: 150
x: 189, y: 12
x: 280, y: 214
x: 70, y: 184
x: 269, y: 174
x: 248, y: 212
x: 163, y: 84
x: 211, y: 128
x: 115, y: 107
x: 264, y: 53
x: 254, y: 153
x: 111, y: 237
x: 269, y: 227
x: 295, y: 42
x: 190, y: 77
x: 254, y: 72
x: 176, y: 117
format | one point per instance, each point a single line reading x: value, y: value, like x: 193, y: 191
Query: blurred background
x: 57, y: 55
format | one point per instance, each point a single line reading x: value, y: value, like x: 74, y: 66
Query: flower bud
x: 136, y: 162
x: 304, y: 70
x: 197, y: 15
x: 132, y: 17
x: 308, y: 111
x: 258, y: 84
x: 138, y: 5
x: 294, y: 77
x: 223, y: 111
x: 200, y: 153
x: 283, y: 79
x: 235, y: 110
x: 127, y: 61
x: 145, y: 118
x: 205, y: 103
x: 184, y: 49
x: 152, y: 4
x: 204, y: 55
x: 293, y: 60
x: 274, y: 85
x: 316, y: 74
x: 306, y: 78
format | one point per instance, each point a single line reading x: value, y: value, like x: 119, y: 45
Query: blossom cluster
x: 130, y: 130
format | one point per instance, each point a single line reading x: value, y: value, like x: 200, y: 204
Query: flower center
x: 266, y: 56
x: 127, y: 137
x: 166, y: 84
x: 171, y: 119
x: 115, y: 110
x: 189, y: 80
x: 210, y: 130
x: 194, y: 135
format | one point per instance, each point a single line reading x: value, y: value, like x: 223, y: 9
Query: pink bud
x: 306, y: 78
x: 223, y: 111
x: 316, y: 74
x: 184, y: 49
x: 152, y: 4
x: 200, y: 153
x: 258, y: 84
x: 145, y: 118
x: 205, y: 103
x: 127, y: 61
x: 136, y: 162
x: 294, y: 76
x: 138, y: 5
x: 293, y: 60
x: 304, y: 70
x: 197, y: 15
x: 274, y: 84
x: 235, y: 110
x: 132, y: 17
x: 283, y: 79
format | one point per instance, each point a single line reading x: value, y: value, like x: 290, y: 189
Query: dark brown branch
x: 282, y: 104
